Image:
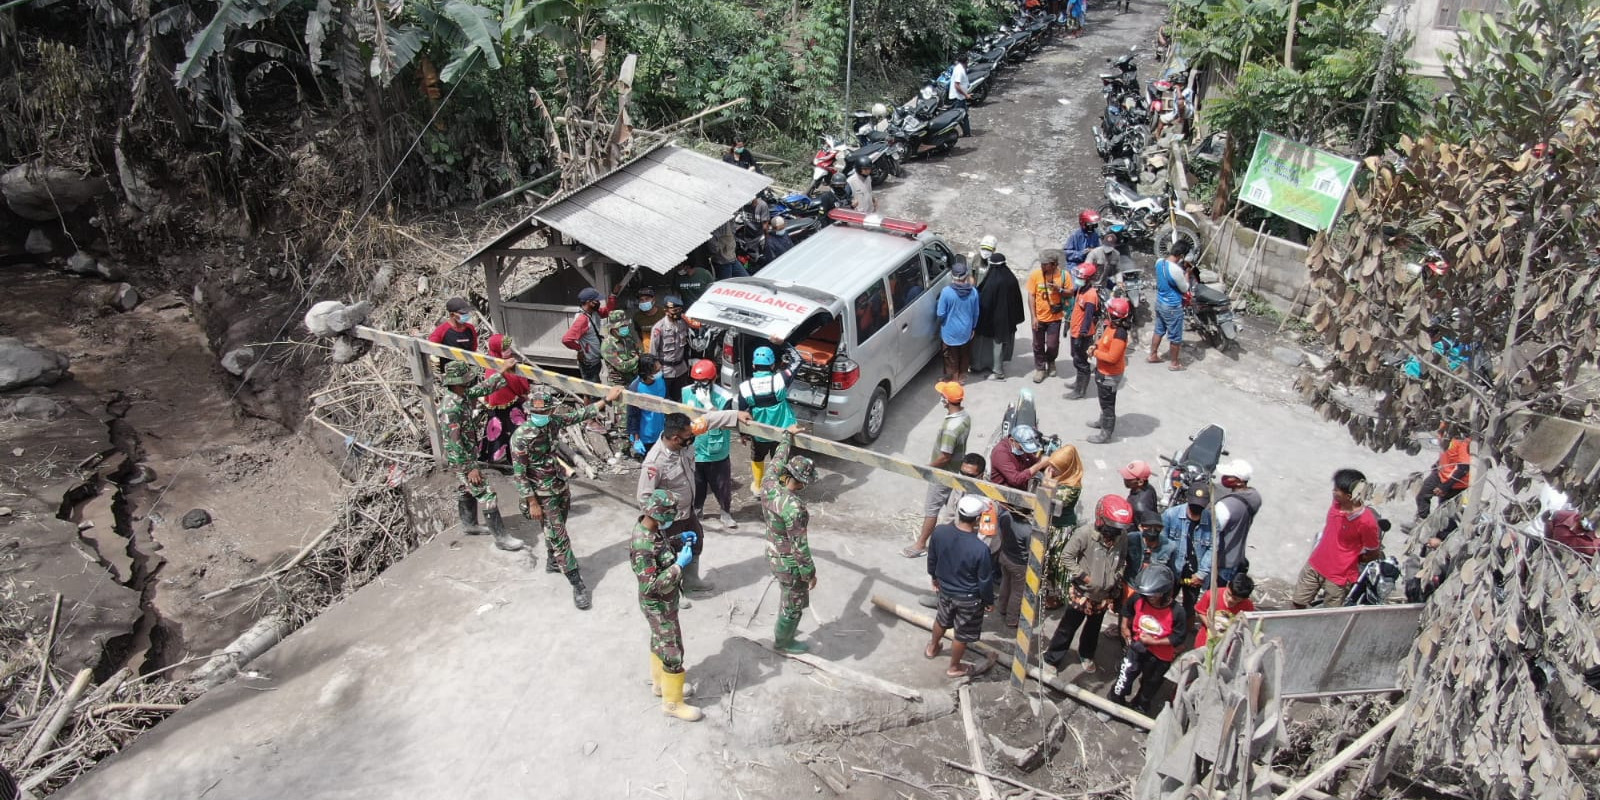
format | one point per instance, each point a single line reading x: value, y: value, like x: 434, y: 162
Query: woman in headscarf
x: 506, y: 390
x: 1063, y: 478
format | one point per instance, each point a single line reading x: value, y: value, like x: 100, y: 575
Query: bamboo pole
x: 47, y: 737
x: 969, y: 723
x: 1345, y: 756
x: 840, y: 670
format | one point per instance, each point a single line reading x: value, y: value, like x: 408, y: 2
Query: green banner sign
x: 1299, y: 183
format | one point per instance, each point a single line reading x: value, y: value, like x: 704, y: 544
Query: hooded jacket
x: 1000, y: 308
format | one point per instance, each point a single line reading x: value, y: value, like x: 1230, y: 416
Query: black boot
x: 580, y: 590
x: 497, y: 526
x: 1080, y: 387
x: 550, y: 564
x: 467, y: 509
x: 1108, y: 427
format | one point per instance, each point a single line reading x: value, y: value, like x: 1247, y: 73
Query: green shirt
x: 715, y: 444
x: 953, y: 439
x: 694, y: 284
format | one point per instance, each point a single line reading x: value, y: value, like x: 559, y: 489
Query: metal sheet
x: 1334, y: 651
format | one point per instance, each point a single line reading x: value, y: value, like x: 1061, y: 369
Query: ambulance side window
x: 872, y: 311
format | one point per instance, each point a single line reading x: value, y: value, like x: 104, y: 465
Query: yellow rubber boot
x: 758, y: 471
x: 655, y: 675
x: 672, y: 698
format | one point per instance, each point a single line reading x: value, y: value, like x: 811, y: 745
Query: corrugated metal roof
x: 653, y: 211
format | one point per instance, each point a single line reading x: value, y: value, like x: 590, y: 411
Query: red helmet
x: 1088, y: 217
x: 1086, y: 271
x: 703, y: 370
x: 1119, y: 308
x: 1113, y: 511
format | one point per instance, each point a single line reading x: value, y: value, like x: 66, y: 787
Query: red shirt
x: 445, y: 334
x: 1455, y: 464
x: 1337, y: 554
x: 1157, y: 622
x: 1225, y: 611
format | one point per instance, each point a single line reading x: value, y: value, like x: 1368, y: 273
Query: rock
x: 196, y: 518
x: 81, y: 263
x: 331, y: 316
x: 5, y: 511
x: 35, y: 407
x: 21, y: 365
x: 348, y: 348
x: 379, y: 285
x: 1316, y: 362
x: 38, y: 242
x: 41, y: 193
x: 125, y: 298
x: 239, y: 359
x: 590, y: 746
x: 1288, y: 356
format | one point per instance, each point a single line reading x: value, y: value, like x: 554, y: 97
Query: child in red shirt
x: 1229, y: 600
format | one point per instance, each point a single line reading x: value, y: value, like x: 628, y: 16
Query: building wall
x: 1436, y: 25
x: 1274, y: 268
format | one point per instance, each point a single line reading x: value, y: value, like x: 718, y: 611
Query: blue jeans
x: 1169, y: 322
x: 732, y: 269
x: 966, y: 119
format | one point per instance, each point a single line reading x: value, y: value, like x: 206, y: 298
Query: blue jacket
x: 1079, y: 244
x: 958, y: 313
x: 1167, y: 292
x: 644, y: 424
x: 1177, y: 534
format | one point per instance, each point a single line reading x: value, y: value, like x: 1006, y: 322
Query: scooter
x: 1148, y: 218
x: 921, y: 130
x: 1196, y: 464
x: 1211, y: 313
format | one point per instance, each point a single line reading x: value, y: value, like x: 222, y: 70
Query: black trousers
x: 1106, y: 386
x: 589, y: 370
x: 966, y: 120
x: 1088, y: 639
x: 716, y: 476
x: 1138, y: 665
x: 1425, y: 495
x: 1080, y: 357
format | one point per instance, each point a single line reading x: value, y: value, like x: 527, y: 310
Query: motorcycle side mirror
x: 1224, y: 452
x: 1169, y: 462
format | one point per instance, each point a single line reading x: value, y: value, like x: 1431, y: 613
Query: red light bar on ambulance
x: 877, y: 221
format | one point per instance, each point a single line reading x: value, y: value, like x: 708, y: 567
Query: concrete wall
x: 1279, y: 270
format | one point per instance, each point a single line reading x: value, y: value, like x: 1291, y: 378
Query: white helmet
x: 1238, y: 468
x: 880, y: 110
x: 988, y: 244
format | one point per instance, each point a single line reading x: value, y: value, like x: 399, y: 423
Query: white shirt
x: 861, y: 189
x: 958, y: 77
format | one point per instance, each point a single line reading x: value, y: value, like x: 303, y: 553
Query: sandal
x: 1175, y: 367
x: 933, y: 650
x: 913, y: 551
x: 962, y: 670
x: 1153, y: 359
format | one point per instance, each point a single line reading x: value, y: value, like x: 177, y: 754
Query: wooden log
x: 870, y: 681
x: 1036, y: 790
x: 269, y: 575
x: 44, y: 653
x: 1345, y: 756
x: 969, y: 723
x: 63, y: 711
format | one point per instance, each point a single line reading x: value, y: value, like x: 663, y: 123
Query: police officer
x: 788, y: 547
x: 659, y: 559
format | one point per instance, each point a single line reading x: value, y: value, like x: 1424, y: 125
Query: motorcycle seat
x: 1207, y: 295
x: 946, y: 119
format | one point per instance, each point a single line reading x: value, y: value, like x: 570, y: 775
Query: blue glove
x: 638, y: 447
x: 690, y: 537
x: 685, y: 555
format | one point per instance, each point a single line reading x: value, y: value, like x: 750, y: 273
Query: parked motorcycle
x: 923, y: 128
x: 1148, y: 218
x: 1196, y: 464
x: 1211, y: 313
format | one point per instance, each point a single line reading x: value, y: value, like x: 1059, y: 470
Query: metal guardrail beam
x: 1037, y: 504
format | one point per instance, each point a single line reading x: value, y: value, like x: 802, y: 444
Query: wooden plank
x: 969, y: 723
x: 869, y: 681
x: 422, y: 373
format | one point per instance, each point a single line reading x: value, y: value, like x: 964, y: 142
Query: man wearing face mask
x: 713, y: 469
x: 1081, y: 327
x: 650, y: 312
x: 692, y: 281
x: 1012, y: 456
x: 957, y: 312
x: 766, y: 396
x: 670, y: 466
x: 1095, y: 559
x: 788, y: 546
x: 740, y: 156
x: 1186, y: 528
x: 949, y: 448
x: 620, y: 349
x: 457, y: 329
x: 583, y: 336
x: 543, y: 484
x: 1082, y: 240
x: 669, y: 343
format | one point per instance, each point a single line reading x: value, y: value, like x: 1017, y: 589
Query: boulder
x: 196, y: 518
x: 22, y: 365
x: 1288, y: 356
x: 34, y: 407
x: 42, y: 193
x: 81, y: 263
x: 239, y: 359
x: 38, y: 243
x: 124, y: 297
x: 331, y: 316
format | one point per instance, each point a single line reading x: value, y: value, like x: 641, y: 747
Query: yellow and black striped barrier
x: 1038, y: 504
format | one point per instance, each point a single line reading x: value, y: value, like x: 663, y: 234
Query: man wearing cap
x: 669, y: 343
x: 949, y: 448
x: 713, y: 468
x: 1186, y: 528
x: 962, y: 571
x: 583, y: 335
x: 1081, y: 326
x: 461, y: 428
x: 1141, y: 495
x: 957, y: 312
x: 457, y: 329
x: 999, y: 313
x: 648, y: 313
x: 788, y: 548
x: 542, y: 482
x: 765, y: 394
x: 1145, y: 546
x: 670, y: 465
x: 1013, y: 456
x: 619, y: 349
x: 1048, y: 296
x: 658, y: 559
x: 1233, y: 515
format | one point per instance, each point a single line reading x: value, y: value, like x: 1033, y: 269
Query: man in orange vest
x: 1452, y: 475
x: 1110, y: 355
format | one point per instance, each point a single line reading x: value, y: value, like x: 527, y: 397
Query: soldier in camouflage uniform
x: 788, y: 549
x: 461, y: 428
x: 543, y: 485
x: 658, y: 561
x: 620, y: 349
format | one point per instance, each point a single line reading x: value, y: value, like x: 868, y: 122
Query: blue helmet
x: 764, y: 357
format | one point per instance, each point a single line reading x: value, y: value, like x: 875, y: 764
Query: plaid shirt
x: 953, y: 439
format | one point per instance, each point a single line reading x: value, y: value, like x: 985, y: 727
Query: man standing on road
x: 460, y: 425
x: 583, y: 335
x: 1081, y: 326
x: 620, y: 350
x: 788, y: 547
x: 542, y: 482
x: 670, y: 466
x: 959, y: 96
x: 1349, y: 539
x: 860, y: 184
x: 713, y: 468
x: 1451, y: 477
x: 1082, y: 240
x: 1141, y: 495
x: 1152, y: 626
x: 1234, y: 514
x: 963, y: 574
x: 999, y: 313
x: 669, y: 343
x: 957, y: 311
x: 1012, y: 459
x: 1047, y: 289
x: 766, y: 396
x: 1171, y: 285
x: 658, y: 560
x: 1187, y: 532
x: 949, y: 448
x: 1094, y: 563
x: 1111, y: 360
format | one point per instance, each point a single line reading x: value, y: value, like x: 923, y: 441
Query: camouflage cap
x: 459, y: 373
x: 616, y: 317
x: 540, y: 393
x: 661, y: 506
x: 801, y: 469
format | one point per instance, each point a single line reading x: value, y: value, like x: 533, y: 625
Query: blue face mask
x: 646, y: 305
x: 539, y: 420
x: 464, y: 318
